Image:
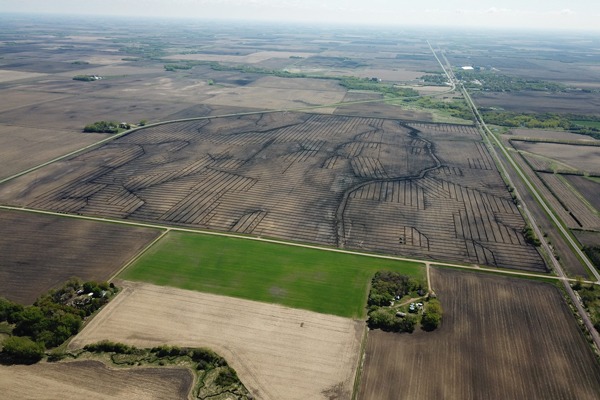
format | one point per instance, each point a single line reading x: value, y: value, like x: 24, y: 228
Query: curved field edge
x: 311, y: 279
x: 278, y: 352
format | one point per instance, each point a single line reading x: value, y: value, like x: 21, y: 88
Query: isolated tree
x: 432, y: 317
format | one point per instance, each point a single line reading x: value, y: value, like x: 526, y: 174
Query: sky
x: 510, y: 14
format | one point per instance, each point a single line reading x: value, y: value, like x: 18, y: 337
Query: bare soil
x: 500, y: 338
x: 549, y: 134
x: 93, y: 380
x: 279, y: 353
x: 568, y: 203
x: 541, y: 102
x: 587, y: 238
x: 41, y: 145
x: 363, y: 183
x: 587, y: 187
x: 581, y: 158
x: 375, y: 184
x: 39, y: 252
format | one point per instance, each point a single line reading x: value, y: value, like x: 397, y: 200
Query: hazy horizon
x: 534, y: 15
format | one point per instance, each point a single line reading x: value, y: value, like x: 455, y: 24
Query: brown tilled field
x: 92, y: 380
x: 39, y: 252
x: 541, y: 102
x: 41, y: 145
x: 279, y: 353
x: 425, y: 190
x: 500, y: 338
x: 568, y: 203
x: 588, y: 188
x: 548, y: 134
x: 582, y: 158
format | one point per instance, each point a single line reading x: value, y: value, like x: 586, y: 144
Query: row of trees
x: 590, y: 296
x: 52, y: 319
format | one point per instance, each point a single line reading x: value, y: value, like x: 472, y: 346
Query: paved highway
x: 489, y: 137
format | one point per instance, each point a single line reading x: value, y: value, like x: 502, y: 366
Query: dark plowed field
x: 425, y: 190
x: 39, y: 252
x: 500, y: 338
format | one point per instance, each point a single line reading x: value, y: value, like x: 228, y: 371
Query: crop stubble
x: 278, y: 352
x: 500, y: 338
x: 426, y: 190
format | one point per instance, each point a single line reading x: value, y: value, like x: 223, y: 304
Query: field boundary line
x: 139, y: 254
x: 169, y: 229
x: 361, y: 363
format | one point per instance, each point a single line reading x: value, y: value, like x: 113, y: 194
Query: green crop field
x: 587, y: 123
x: 311, y: 279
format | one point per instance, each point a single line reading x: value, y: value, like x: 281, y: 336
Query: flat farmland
x: 9, y: 75
x: 500, y: 338
x: 39, y: 252
x: 374, y: 184
x: 581, y: 158
x: 541, y: 102
x: 275, y: 98
x: 380, y: 110
x: 587, y: 238
x: 316, y: 280
x: 41, y: 145
x: 588, y: 188
x: 92, y: 380
x: 279, y: 353
x: 251, y: 58
x: 74, y: 112
x: 548, y: 134
x: 575, y: 211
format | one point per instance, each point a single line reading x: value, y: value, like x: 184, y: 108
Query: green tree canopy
x: 22, y: 350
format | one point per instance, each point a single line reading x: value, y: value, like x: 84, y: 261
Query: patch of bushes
x: 385, y: 318
x: 593, y: 253
x: 227, y: 377
x: 22, y: 350
x: 353, y: 83
x: 106, y: 346
x: 590, y: 296
x: 55, y: 316
x: 102, y: 127
x: 174, y: 67
x: 386, y: 287
x: 85, y: 78
x: 432, y: 316
x: 530, y: 236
